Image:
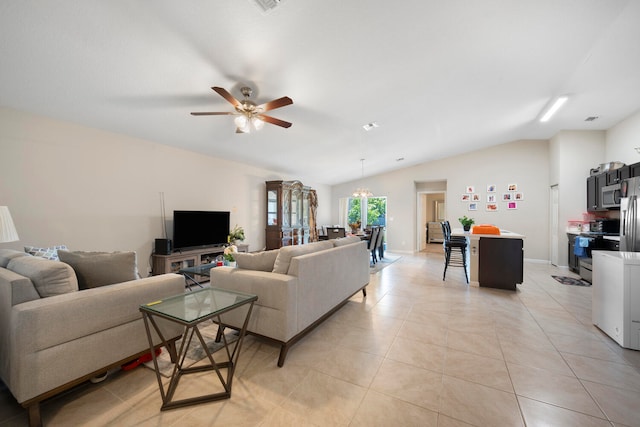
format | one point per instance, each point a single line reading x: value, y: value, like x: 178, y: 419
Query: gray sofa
x: 54, y: 336
x: 297, y: 286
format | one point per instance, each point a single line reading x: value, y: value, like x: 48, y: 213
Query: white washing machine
x: 616, y: 296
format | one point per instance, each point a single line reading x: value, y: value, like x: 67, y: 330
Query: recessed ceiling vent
x: 591, y: 118
x: 267, y: 5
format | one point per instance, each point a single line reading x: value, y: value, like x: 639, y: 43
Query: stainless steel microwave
x: 611, y: 196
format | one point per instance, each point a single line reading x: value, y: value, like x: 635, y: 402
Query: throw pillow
x: 49, y: 277
x: 48, y: 253
x: 286, y: 253
x: 259, y: 261
x: 96, y: 269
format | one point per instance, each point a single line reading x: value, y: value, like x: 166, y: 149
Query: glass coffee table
x: 189, y: 273
x: 191, y: 309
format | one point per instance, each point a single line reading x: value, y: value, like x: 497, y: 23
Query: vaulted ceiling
x: 438, y: 77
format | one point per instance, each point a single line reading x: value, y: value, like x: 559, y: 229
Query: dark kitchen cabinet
x: 617, y: 175
x: 634, y: 170
x: 500, y: 263
x: 594, y: 190
x: 573, y: 260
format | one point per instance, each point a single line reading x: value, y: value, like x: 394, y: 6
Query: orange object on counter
x: 485, y: 229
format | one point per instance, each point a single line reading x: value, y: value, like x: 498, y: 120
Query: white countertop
x: 627, y: 257
x: 504, y: 234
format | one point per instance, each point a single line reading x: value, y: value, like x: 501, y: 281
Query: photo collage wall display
x: 511, y: 197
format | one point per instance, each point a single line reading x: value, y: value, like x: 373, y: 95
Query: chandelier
x: 362, y: 192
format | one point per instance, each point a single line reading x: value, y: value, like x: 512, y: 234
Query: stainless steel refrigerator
x: 629, y: 216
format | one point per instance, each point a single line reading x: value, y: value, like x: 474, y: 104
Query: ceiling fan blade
x: 212, y: 114
x: 276, y: 103
x: 226, y: 95
x: 274, y: 121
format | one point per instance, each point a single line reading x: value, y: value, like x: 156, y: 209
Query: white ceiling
x: 439, y: 77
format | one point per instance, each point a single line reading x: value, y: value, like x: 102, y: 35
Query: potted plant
x: 229, y: 255
x: 466, y: 222
x: 235, y: 235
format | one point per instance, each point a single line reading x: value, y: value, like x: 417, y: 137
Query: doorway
x: 431, y: 210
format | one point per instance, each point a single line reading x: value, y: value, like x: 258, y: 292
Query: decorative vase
x: 466, y: 227
x: 230, y: 263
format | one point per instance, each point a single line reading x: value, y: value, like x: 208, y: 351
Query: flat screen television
x: 199, y: 228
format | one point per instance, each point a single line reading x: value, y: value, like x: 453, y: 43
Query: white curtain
x: 344, y: 212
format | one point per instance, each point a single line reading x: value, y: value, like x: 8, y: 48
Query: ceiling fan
x: 249, y: 115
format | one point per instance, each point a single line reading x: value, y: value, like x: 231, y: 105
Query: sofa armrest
x: 274, y: 290
x: 47, y: 322
x: 276, y: 310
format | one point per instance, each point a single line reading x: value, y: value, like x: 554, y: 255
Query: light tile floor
x: 416, y: 351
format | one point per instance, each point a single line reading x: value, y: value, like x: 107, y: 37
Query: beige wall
x: 525, y: 163
x: 622, y: 140
x: 95, y: 190
x: 573, y: 154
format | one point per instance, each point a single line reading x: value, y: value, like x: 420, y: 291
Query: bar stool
x: 459, y: 258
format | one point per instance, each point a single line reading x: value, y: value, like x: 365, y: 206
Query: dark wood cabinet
x: 634, y: 170
x: 573, y: 260
x: 594, y: 189
x: 501, y: 263
x: 290, y: 214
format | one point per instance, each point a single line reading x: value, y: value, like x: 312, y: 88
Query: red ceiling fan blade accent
x: 212, y: 114
x: 226, y: 95
x: 274, y: 121
x: 276, y: 103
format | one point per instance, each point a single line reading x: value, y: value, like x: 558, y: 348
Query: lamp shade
x: 8, y: 231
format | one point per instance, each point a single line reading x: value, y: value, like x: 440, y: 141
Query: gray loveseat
x: 54, y: 336
x: 297, y: 286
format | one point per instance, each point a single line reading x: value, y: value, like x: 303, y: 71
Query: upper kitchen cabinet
x: 594, y: 190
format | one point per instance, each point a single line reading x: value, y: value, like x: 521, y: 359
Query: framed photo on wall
x: 492, y: 207
x: 473, y: 206
x: 512, y: 205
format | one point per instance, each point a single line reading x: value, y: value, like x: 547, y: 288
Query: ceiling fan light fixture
x: 257, y: 123
x: 241, y: 121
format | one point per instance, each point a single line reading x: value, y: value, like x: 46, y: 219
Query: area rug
x: 382, y: 263
x: 195, y: 352
x: 571, y: 281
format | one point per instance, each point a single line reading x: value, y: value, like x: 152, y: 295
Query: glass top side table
x: 190, y: 310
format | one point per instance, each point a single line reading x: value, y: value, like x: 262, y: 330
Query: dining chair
x: 373, y: 241
x: 336, y: 232
x: 455, y: 250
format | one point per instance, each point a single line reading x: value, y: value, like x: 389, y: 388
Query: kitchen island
x: 494, y: 261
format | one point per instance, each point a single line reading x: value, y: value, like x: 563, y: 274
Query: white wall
x: 525, y: 163
x: 572, y: 155
x: 622, y: 139
x: 94, y: 190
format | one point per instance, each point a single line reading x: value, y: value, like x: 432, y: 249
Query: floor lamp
x: 8, y: 231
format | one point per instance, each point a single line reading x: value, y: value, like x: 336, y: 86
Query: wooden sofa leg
x: 364, y: 292
x: 283, y: 354
x: 33, y: 412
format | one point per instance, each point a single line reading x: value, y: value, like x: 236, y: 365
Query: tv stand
x: 162, y: 264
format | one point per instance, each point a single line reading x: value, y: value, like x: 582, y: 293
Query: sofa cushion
x: 341, y: 241
x: 48, y: 253
x: 101, y: 268
x: 285, y: 254
x: 259, y: 261
x: 7, y: 255
x: 49, y: 277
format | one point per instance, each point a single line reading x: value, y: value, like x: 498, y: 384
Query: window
x: 369, y: 211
